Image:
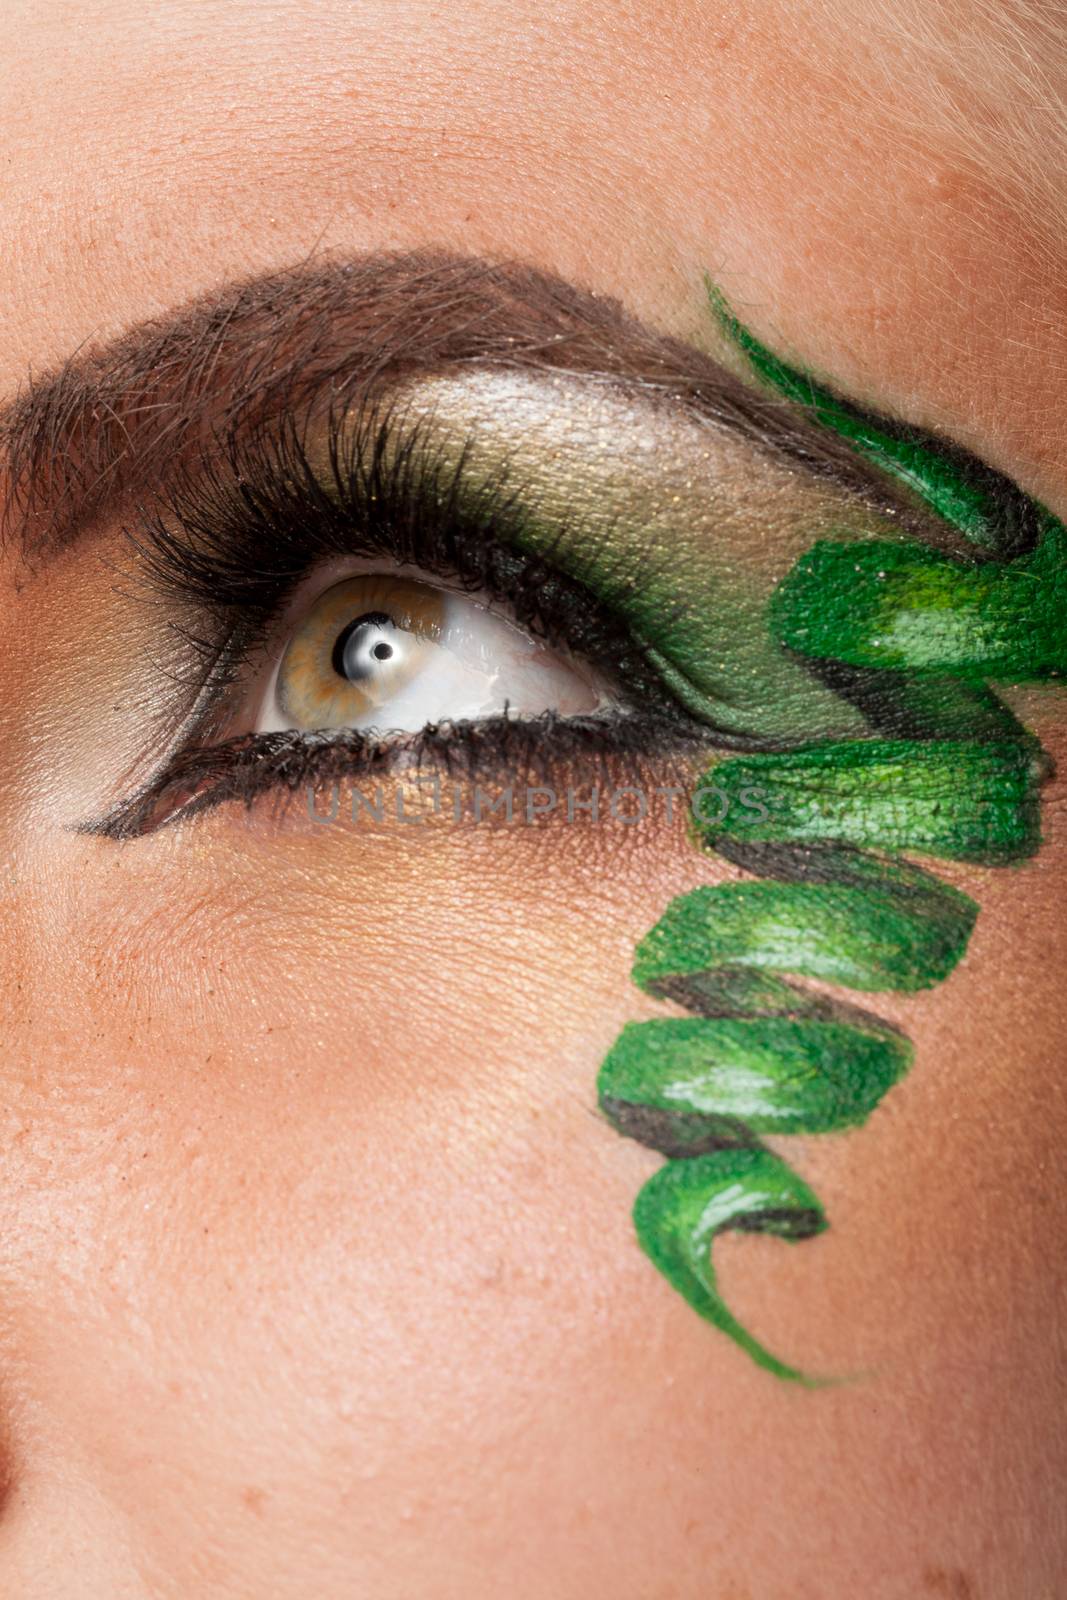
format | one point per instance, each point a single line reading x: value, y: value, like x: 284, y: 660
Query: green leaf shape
x: 965, y: 800
x: 773, y: 1074
x: 687, y: 1204
x: 983, y: 504
x: 906, y: 637
x: 899, y: 937
x: 904, y: 608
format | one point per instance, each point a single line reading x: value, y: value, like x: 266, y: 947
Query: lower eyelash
x: 234, y: 539
x: 522, y: 750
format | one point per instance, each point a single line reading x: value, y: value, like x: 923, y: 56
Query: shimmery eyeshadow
x: 609, y: 484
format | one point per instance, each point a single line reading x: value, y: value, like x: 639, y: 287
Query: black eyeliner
x: 234, y: 539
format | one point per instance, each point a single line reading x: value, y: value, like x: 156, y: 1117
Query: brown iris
x: 361, y: 642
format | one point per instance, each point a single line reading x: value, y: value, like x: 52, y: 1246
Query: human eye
x: 395, y: 653
x: 555, y: 567
x: 354, y: 596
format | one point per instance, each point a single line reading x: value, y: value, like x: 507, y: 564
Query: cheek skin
x: 349, y: 1273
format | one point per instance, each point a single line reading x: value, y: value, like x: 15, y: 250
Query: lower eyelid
x: 520, y: 751
x: 277, y: 524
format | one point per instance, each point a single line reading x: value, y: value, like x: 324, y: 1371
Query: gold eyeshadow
x: 673, y: 531
x: 680, y: 526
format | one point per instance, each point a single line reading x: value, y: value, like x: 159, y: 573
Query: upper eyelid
x: 105, y: 428
x: 238, y: 459
x: 347, y: 511
x: 324, y: 575
x: 275, y: 489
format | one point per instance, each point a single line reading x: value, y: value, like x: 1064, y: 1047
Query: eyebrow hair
x: 117, y: 421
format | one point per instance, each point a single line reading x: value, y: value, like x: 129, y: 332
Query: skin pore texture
x: 318, y: 1273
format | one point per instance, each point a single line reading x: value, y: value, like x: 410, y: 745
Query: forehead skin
x: 818, y: 161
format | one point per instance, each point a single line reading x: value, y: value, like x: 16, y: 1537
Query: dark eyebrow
x: 112, y: 423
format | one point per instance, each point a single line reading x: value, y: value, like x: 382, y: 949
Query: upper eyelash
x: 233, y: 541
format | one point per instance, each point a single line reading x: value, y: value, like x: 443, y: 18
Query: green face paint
x: 848, y: 669
x: 770, y: 1075
x: 888, y: 605
x: 609, y: 486
x: 683, y: 1208
x: 965, y: 801
x: 982, y: 503
x: 901, y: 930
x: 901, y: 635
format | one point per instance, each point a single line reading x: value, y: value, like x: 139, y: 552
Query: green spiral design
x: 908, y: 637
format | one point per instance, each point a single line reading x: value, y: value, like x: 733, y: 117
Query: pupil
x: 359, y: 647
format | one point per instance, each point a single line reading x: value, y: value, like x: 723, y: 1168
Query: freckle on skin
x: 951, y: 1582
x: 255, y: 1499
